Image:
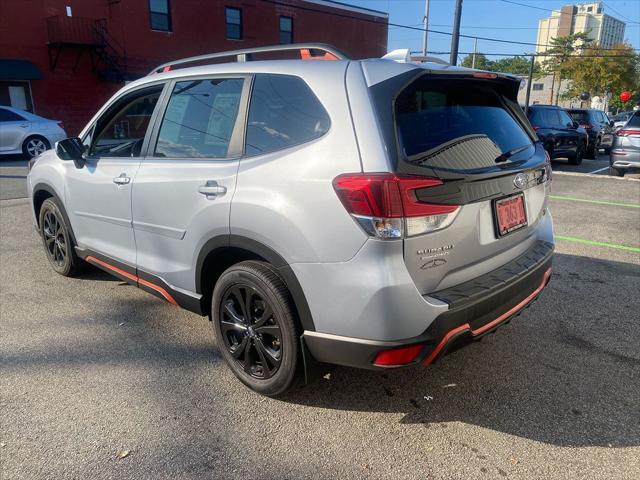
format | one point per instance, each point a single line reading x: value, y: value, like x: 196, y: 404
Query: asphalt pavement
x: 94, y: 370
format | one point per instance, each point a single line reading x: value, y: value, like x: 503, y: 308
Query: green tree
x: 599, y: 71
x: 482, y: 62
x: 515, y: 65
x: 557, y: 58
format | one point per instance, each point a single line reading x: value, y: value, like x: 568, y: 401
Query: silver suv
x: 371, y: 213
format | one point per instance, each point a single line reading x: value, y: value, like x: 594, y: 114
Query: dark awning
x: 11, y: 69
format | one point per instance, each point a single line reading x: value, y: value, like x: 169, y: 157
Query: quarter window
x: 286, y: 30
x: 283, y: 112
x: 121, y: 131
x: 199, y: 119
x: 160, y: 15
x: 233, y: 19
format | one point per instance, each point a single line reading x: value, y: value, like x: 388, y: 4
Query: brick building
x: 62, y: 59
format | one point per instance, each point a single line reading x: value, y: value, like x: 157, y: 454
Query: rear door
x: 182, y: 193
x: 472, y: 135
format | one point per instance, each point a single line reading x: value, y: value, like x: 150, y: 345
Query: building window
x: 538, y: 86
x: 286, y: 30
x: 160, y: 15
x: 233, y: 19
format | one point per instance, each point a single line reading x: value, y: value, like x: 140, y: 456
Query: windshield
x: 438, y: 120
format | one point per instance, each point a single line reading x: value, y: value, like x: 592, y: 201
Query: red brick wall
x: 197, y: 27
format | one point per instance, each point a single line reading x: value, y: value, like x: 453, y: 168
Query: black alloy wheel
x: 256, y: 329
x: 54, y: 239
x: 57, y: 239
x: 251, y: 332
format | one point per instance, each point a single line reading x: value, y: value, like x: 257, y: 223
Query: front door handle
x: 211, y: 189
x: 122, y: 179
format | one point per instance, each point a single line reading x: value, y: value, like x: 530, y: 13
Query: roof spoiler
x: 244, y: 55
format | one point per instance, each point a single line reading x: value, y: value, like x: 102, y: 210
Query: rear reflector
x: 398, y: 356
x: 383, y: 203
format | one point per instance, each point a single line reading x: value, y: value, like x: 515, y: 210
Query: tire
x: 34, y: 146
x: 576, y: 158
x: 607, y: 151
x: 591, y: 152
x: 57, y: 239
x: 614, y: 172
x: 248, y: 342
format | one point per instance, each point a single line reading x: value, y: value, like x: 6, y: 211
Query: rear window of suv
x: 437, y: 119
x: 580, y: 116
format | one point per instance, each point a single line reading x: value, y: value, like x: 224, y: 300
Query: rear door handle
x: 211, y: 189
x: 122, y: 179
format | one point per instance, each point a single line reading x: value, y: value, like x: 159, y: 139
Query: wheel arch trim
x: 255, y: 247
x: 41, y: 186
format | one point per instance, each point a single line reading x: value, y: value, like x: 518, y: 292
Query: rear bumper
x: 476, y: 308
x: 623, y: 159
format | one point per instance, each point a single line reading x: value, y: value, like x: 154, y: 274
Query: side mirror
x: 575, y: 124
x: 71, y: 149
x: 612, y: 123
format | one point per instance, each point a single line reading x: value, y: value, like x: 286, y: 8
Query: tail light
x: 627, y: 132
x: 586, y: 126
x: 385, y: 205
x: 61, y: 125
x: 535, y: 127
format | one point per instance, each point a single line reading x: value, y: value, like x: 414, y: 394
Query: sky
x: 486, y: 18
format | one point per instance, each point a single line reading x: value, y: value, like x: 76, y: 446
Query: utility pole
x: 475, y: 49
x: 425, y: 22
x: 455, y: 38
x: 526, y: 102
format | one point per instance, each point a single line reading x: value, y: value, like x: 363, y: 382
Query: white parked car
x: 26, y: 133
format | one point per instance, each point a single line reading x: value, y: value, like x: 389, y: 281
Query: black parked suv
x: 598, y: 127
x: 560, y: 135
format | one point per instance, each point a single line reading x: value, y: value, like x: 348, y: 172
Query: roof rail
x: 423, y: 59
x: 331, y: 53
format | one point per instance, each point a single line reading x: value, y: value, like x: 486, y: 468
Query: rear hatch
x: 467, y: 130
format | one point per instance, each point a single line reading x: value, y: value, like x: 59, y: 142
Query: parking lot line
x: 599, y: 202
x: 628, y: 248
x: 601, y: 169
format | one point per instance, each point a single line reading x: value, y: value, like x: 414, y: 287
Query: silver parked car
x: 625, y: 151
x: 371, y: 213
x: 26, y: 133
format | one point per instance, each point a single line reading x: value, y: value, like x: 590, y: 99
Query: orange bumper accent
x: 479, y: 331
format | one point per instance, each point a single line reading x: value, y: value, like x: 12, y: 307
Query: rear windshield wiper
x: 507, y: 155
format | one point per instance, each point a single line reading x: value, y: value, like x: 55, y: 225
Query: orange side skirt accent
x: 489, y: 325
x: 133, y: 278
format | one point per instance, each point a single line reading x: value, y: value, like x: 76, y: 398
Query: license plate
x: 606, y: 140
x: 510, y: 214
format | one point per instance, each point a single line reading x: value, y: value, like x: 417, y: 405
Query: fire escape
x: 87, y: 35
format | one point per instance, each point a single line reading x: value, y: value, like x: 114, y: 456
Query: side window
x: 565, y: 119
x: 283, y: 112
x: 121, y: 130
x: 9, y: 116
x: 199, y: 119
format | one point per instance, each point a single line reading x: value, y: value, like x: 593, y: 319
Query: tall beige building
x: 589, y: 18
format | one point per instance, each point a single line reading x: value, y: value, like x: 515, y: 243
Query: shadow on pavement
x: 565, y: 372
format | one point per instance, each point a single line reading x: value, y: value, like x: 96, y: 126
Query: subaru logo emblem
x: 520, y: 180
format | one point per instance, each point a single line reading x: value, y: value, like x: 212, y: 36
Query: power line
x: 528, y: 6
x: 418, y: 29
x: 617, y: 12
x: 531, y: 55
